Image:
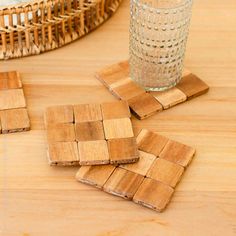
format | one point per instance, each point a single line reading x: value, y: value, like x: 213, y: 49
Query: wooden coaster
x: 144, y: 104
x: 103, y: 134
x: 150, y: 181
x: 13, y: 113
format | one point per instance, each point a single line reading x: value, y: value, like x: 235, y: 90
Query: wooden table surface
x: 39, y: 200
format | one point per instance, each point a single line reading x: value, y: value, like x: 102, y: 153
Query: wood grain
x: 118, y: 128
x: 204, y: 202
x: 59, y: 114
x: 93, y: 152
x: 14, y: 120
x: 178, y: 153
x: 144, y: 105
x: 10, y: 80
x: 153, y: 194
x: 112, y: 110
x: 143, y: 165
x: 89, y: 131
x: 95, y: 175
x: 63, y: 153
x: 166, y: 172
x: 123, y: 150
x: 12, y: 98
x: 123, y: 183
x: 87, y: 112
x: 170, y: 97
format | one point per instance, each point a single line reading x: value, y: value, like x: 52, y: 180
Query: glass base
x: 160, y: 89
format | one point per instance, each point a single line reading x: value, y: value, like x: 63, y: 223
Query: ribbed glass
x: 158, y: 36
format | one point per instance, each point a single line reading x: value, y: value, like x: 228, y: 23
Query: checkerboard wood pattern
x: 13, y: 113
x: 149, y: 182
x: 90, y: 134
x: 144, y: 104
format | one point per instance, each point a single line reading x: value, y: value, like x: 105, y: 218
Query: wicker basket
x: 44, y: 25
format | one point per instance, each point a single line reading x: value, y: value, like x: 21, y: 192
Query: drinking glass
x: 158, y: 36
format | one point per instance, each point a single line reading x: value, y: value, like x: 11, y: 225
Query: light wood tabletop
x: 39, y: 200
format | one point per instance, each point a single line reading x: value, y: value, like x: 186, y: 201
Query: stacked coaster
x: 90, y: 134
x: 13, y: 113
x: 149, y: 182
x: 144, y: 104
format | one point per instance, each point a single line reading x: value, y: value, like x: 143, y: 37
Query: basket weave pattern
x: 39, y: 26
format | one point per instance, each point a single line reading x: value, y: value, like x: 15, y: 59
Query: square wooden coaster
x: 13, y: 113
x: 150, y: 181
x: 95, y: 127
x: 116, y: 79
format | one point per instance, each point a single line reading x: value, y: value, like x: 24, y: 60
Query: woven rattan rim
x: 43, y: 25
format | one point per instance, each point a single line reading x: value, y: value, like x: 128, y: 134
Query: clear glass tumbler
x: 158, y: 36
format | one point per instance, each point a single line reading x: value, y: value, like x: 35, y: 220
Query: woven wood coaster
x: 149, y: 182
x: 13, y: 113
x: 144, y: 104
x: 90, y: 134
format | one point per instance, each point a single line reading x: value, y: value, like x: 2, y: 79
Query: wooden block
x: 166, y: 172
x: 95, y: 175
x: 93, y: 152
x: 12, y: 98
x: 153, y: 194
x: 169, y: 98
x: 59, y: 114
x: 14, y: 120
x: 177, y: 153
x: 143, y: 165
x: 61, y: 132
x: 151, y: 142
x: 144, y: 105
x: 127, y: 90
x: 88, y: 131
x: 63, y: 153
x: 10, y: 80
x: 113, y: 73
x: 118, y: 128
x: 115, y: 110
x: 123, y: 183
x: 87, y: 112
x: 192, y: 86
x: 123, y: 150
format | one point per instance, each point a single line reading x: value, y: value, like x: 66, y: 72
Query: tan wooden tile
x: 59, y: 114
x: 123, y: 183
x: 118, y: 128
x: 61, y: 132
x: 170, y: 98
x: 12, y: 98
x: 95, y: 175
x: 166, y: 172
x: 10, y: 80
x: 192, y: 86
x: 93, y: 152
x: 123, y: 150
x: 143, y: 165
x: 153, y: 194
x: 177, y: 153
x: 144, y: 105
x: 88, y: 131
x: 115, y: 110
x: 128, y: 90
x: 63, y: 153
x: 14, y: 120
x: 87, y: 112
x: 151, y: 142
x: 113, y: 73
